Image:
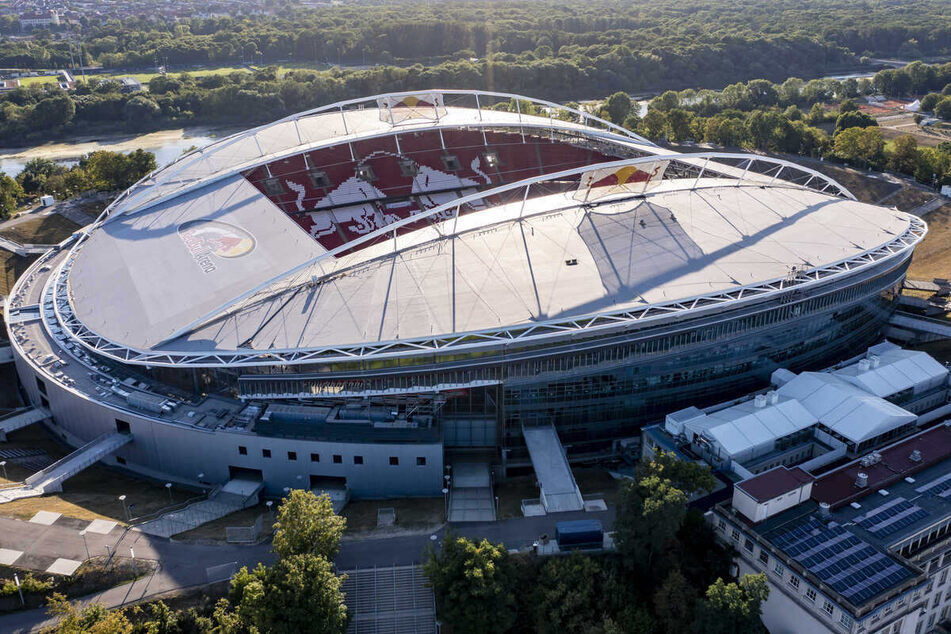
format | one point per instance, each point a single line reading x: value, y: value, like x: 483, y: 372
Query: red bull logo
x: 207, y: 238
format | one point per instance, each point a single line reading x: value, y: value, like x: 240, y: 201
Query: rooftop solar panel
x: 837, y: 556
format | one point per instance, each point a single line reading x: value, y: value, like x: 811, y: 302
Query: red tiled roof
x: 774, y: 483
x: 838, y: 487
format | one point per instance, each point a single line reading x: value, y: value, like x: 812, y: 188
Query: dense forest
x: 604, y: 44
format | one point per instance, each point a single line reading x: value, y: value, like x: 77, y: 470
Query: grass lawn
x: 411, y: 513
x: 11, y: 267
x: 215, y: 530
x: 45, y: 79
x: 92, y: 494
x: 47, y: 229
x: 933, y: 256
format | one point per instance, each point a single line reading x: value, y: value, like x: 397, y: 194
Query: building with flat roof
x: 862, y: 548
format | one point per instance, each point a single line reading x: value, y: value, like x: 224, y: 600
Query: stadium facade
x: 359, y: 293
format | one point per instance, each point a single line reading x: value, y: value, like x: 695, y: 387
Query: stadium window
x: 420, y: 461
x: 764, y: 557
x: 273, y: 187
x: 794, y: 581
x: 319, y: 179
x: 408, y: 167
x: 845, y: 620
x: 242, y: 450
x: 748, y: 545
x: 120, y: 460
x: 123, y: 427
x: 338, y: 458
x: 40, y: 385
x: 45, y: 402
x: 365, y: 172
x: 315, y: 457
x: 779, y: 569
x: 811, y: 595
x: 451, y: 163
x: 827, y: 607
x: 735, y: 535
x: 358, y: 460
x: 266, y: 453
x: 394, y: 461
x: 292, y: 455
x: 721, y: 523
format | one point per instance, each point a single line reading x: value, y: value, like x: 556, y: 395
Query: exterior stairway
x: 471, y: 498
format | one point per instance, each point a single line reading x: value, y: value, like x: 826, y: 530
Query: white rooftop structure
x: 889, y: 370
x: 751, y: 428
x: 846, y: 409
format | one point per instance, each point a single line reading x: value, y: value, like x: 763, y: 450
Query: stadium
x: 359, y: 295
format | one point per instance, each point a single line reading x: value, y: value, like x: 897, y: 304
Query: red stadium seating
x: 337, y: 199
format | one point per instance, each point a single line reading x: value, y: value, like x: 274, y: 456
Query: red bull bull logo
x: 207, y: 238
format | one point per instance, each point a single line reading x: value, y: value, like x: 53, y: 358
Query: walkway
x: 938, y: 327
x: 52, y: 477
x: 20, y: 419
x: 471, y: 498
x: 559, y: 491
x: 186, y: 565
x: 233, y: 496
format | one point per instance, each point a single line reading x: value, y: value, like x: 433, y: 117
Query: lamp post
x: 445, y: 497
x: 4, y: 465
x: 132, y: 554
x: 85, y: 543
x: 269, y: 504
x: 125, y: 509
x: 168, y: 487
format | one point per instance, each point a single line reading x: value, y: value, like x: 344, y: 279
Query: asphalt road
x: 183, y: 565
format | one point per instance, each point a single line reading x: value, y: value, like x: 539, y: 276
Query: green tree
x: 678, y: 120
x: 689, y: 477
x: 306, y: 523
x: 943, y: 109
x: 674, y: 603
x: 650, y: 512
x: 10, y: 195
x: 853, y: 119
x: 114, y: 170
x: 817, y: 114
x: 929, y: 101
x: 569, y: 592
x: 140, y: 111
x: 903, y: 155
x: 300, y: 593
x: 734, y: 608
x: 92, y: 619
x: 618, y: 107
x: 862, y: 145
x: 36, y: 173
x: 473, y: 583
x: 53, y: 112
x: 654, y: 124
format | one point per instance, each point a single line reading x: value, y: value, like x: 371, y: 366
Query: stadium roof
x: 546, y: 264
x: 136, y: 282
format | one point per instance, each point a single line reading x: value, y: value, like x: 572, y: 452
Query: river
x: 167, y: 145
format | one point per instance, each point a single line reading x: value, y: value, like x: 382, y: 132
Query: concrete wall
x: 179, y: 452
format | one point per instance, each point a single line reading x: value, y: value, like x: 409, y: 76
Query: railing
x: 39, y: 475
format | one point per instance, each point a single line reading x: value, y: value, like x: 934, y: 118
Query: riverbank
x: 165, y: 144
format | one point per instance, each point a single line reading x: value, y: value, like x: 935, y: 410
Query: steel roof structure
x: 536, y: 259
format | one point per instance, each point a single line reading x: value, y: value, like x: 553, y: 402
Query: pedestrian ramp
x: 20, y: 419
x: 229, y: 498
x: 390, y: 600
x: 50, y: 479
x: 559, y: 491
x: 470, y: 497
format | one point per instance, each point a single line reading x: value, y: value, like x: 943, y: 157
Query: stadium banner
x: 396, y: 109
x: 635, y: 179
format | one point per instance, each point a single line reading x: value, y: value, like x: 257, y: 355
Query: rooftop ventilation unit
x: 760, y: 400
x: 773, y: 397
x: 861, y: 480
x: 825, y: 511
x: 915, y: 456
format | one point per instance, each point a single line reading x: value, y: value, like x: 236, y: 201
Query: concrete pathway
x: 183, y: 565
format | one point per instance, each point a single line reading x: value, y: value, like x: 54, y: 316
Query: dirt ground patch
x: 866, y: 189
x: 215, y: 530
x: 92, y: 494
x: 411, y: 513
x: 909, y: 198
x: 45, y: 229
x: 933, y: 256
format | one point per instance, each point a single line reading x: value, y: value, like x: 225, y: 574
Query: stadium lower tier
x: 384, y: 431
